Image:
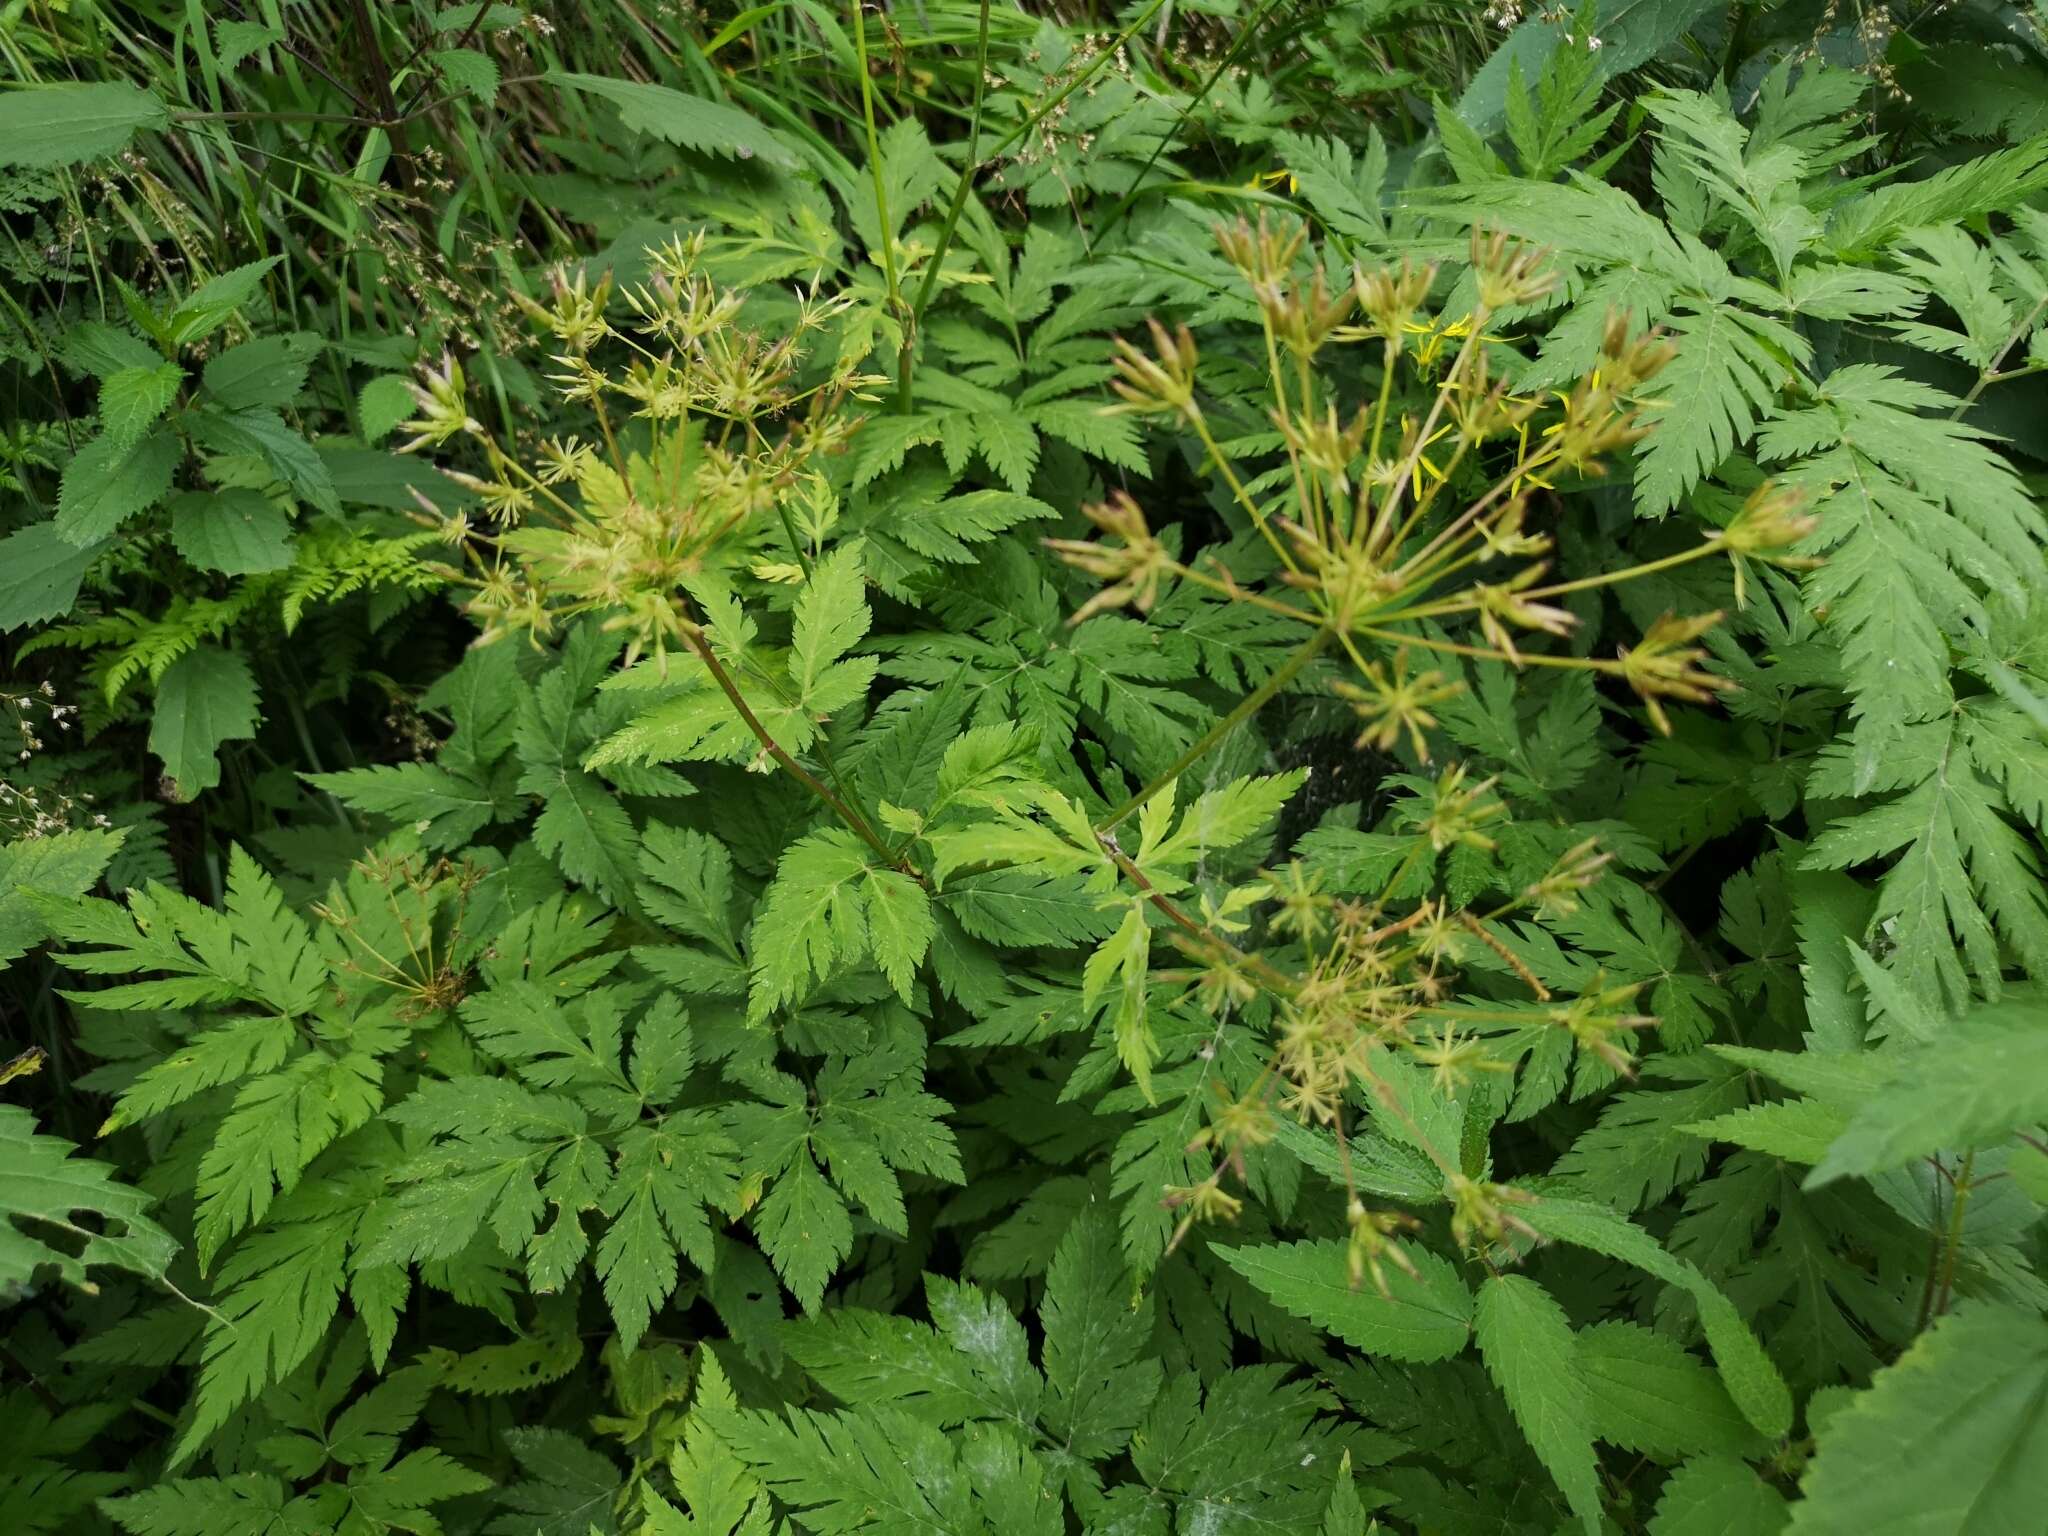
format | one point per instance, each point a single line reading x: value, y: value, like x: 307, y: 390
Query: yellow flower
x: 1276, y: 178
x: 1434, y: 337
x: 1424, y: 465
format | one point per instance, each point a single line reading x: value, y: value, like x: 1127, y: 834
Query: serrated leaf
x: 1798, y: 1130
x: 812, y: 916
x: 1098, y: 1385
x: 1716, y: 1496
x: 831, y: 616
x: 803, y: 1225
x: 1950, y: 1441
x: 469, y: 71
x: 1021, y: 908
x: 899, y: 926
x: 47, y: 1192
x: 1983, y: 1080
x: 205, y: 699
x: 235, y: 40
x: 1726, y: 374
x: 235, y: 532
x: 110, y: 480
x: 248, y: 1504
x: 567, y: 1485
x: 40, y: 573
x: 132, y: 399
x: 666, y: 1178
x: 1644, y: 1393
x: 383, y: 404
x: 268, y: 371
x: 67, y: 124
x: 1424, y: 1317
x: 690, y: 121
x: 279, y: 1123
x: 210, y: 306
x: 1751, y: 1377
x: 445, y: 810
x: 1530, y: 1352
x: 60, y: 865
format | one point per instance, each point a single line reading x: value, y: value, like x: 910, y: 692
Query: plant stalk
x: 1248, y: 706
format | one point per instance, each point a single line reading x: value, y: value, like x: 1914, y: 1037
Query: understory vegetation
x: 1149, y: 769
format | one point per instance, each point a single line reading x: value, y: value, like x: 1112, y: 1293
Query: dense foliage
x: 1024, y: 769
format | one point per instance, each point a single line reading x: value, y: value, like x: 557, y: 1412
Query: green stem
x: 1248, y: 706
x: 867, y: 107
x: 966, y: 182
x: 775, y: 749
x: 1990, y: 374
x: 903, y: 358
x: 1223, y: 467
x: 1245, y: 36
x: 1274, y: 978
x: 1952, y: 1242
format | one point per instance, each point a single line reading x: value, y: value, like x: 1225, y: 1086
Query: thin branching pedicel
x: 1376, y: 560
x: 702, y: 454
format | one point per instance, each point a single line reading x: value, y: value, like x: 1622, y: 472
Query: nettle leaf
x: 132, y: 399
x: 268, y: 371
x: 205, y: 699
x: 40, y: 573
x: 1970, y: 1397
x: 1530, y: 1352
x: 71, y: 123
x: 236, y: 532
x: 1984, y: 1079
x: 468, y: 70
x: 113, y: 478
x: 60, y: 866
x: 1716, y: 1494
x: 1645, y: 1393
x: 1423, y: 1317
x: 214, y: 302
x: 690, y: 121
x: 1752, y: 1379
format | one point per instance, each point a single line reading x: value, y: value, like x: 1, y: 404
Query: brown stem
x: 1275, y: 978
x: 483, y: 9
x: 309, y: 61
x: 380, y: 90
x: 789, y: 765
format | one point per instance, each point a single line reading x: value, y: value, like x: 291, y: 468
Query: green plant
x: 1406, y: 900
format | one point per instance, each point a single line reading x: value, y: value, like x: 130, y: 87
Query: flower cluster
x: 1393, y: 521
x: 699, y: 458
